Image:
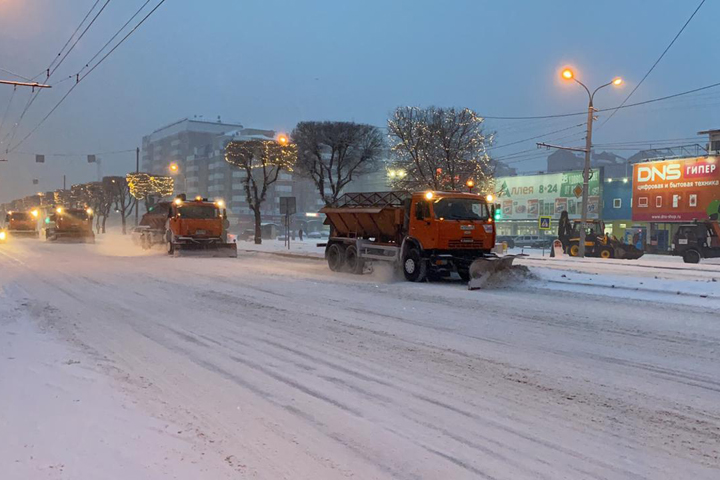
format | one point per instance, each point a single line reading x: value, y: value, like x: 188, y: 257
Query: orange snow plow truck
x: 22, y: 224
x: 68, y: 225
x: 428, y: 235
x: 198, y: 227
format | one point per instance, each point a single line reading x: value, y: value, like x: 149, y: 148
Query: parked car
x: 534, y: 241
x: 509, y: 240
x: 314, y: 235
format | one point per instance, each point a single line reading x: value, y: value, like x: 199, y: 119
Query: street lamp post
x: 568, y: 74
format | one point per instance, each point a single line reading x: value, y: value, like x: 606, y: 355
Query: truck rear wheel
x: 336, y: 257
x: 691, y: 256
x: 414, y: 267
x: 606, y: 253
x: 353, y: 262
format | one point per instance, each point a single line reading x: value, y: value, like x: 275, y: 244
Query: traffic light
x: 498, y: 212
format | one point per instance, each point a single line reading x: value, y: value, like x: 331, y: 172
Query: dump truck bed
x: 373, y: 215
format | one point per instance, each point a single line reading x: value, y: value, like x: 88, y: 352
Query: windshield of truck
x: 76, y: 214
x: 461, y: 209
x: 199, y: 211
x: 20, y: 217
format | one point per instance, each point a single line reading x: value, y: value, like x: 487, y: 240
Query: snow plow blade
x: 218, y: 250
x: 482, y: 269
x: 628, y: 252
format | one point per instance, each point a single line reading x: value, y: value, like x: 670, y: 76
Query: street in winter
x: 372, y: 240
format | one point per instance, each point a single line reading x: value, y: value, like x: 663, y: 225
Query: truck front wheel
x: 414, y: 268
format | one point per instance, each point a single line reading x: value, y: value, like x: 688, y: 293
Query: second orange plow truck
x: 428, y: 235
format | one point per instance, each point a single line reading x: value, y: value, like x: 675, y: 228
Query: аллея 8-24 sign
x: 676, y: 190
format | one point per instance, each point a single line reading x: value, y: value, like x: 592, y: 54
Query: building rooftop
x: 191, y: 125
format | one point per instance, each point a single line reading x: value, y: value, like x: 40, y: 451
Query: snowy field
x: 117, y: 363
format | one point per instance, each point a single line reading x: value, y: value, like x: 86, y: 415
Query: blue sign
x: 545, y: 223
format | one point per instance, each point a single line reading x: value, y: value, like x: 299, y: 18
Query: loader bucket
x: 628, y: 252
x: 482, y: 269
x: 218, y: 250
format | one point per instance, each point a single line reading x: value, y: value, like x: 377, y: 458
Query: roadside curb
x: 283, y: 254
x: 635, y: 289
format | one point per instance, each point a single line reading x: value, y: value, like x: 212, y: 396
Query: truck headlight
x: 3, y: 235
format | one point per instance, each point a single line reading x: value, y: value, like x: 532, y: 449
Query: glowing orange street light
x: 283, y: 139
x: 568, y: 74
x: 174, y: 167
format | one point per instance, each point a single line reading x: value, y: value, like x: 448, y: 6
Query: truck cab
x: 22, y: 223
x: 449, y: 230
x: 696, y: 241
x: 198, y: 225
x: 74, y: 224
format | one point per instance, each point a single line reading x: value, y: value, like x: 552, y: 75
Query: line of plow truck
x: 429, y: 235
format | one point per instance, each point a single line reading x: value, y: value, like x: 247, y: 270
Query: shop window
x: 642, y: 202
x: 617, y: 202
x: 676, y: 201
x: 693, y: 199
x: 658, y: 201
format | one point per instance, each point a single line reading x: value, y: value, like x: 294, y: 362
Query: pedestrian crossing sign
x: 545, y: 223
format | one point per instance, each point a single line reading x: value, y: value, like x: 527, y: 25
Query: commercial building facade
x: 525, y: 198
x: 197, y: 148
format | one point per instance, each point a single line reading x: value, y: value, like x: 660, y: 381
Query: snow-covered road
x: 275, y: 368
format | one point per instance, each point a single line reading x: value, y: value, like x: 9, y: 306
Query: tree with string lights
x: 261, y: 161
x: 145, y: 187
x: 439, y: 148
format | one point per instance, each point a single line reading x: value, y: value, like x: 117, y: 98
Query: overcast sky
x: 272, y: 63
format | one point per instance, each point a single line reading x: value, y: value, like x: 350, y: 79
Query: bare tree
x: 333, y: 153
x: 100, y: 199
x: 261, y: 161
x: 123, y: 201
x: 439, y: 148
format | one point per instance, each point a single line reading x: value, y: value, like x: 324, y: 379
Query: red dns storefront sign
x: 676, y: 190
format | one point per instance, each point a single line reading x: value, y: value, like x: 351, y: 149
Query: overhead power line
x: 702, y: 2
x: 78, y: 154
x: 71, y: 37
x: 493, y: 147
x: 630, y: 105
x: 123, y: 39
x: 80, y: 37
x: 54, y: 67
x: 116, y: 34
x: 16, y: 74
x: 80, y: 78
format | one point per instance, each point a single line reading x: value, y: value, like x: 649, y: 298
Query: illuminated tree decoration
x: 440, y: 149
x: 262, y: 161
x: 142, y: 185
x: 162, y: 185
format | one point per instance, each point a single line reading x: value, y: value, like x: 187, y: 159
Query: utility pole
x: 586, y: 178
x: 568, y: 74
x: 137, y: 170
x: 64, y: 178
